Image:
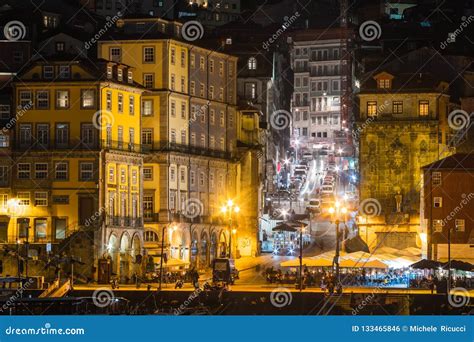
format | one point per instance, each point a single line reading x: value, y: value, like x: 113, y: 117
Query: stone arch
x: 204, y: 249
x: 175, y: 243
x: 125, y: 258
x: 194, y: 248
x: 213, y: 247
x: 186, y: 243
x: 222, y: 244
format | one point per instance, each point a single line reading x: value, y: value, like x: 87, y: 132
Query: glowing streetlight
x: 228, y: 209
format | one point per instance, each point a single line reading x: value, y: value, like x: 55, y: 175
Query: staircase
x: 55, y: 290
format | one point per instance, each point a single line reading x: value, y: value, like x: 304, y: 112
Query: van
x: 327, y: 189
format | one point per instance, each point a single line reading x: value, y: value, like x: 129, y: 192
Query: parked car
x: 314, y: 205
x: 327, y: 189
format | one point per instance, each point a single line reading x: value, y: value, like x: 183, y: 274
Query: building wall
x: 393, y: 148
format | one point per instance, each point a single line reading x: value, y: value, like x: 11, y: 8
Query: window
x: 252, y: 63
x: 42, y: 134
x: 192, y: 89
x: 60, y: 46
x: 148, y: 54
x: 150, y: 236
x: 4, y: 140
x: 4, y: 175
x: 123, y: 176
x: 64, y: 71
x: 23, y: 171
x: 438, y: 202
x: 40, y: 229
x: 88, y: 134
x: 436, y: 178
x: 87, y: 98
x: 111, y: 175
x: 60, y: 199
x: 201, y: 63
x: 42, y: 99
x: 183, y: 110
x: 109, y: 72
x: 183, y: 58
x: 108, y: 100
x: 211, y: 66
x: 203, y: 140
x: 61, y: 171
x: 48, y: 72
x: 131, y: 138
x: 173, y: 56
x: 423, y: 108
x: 26, y: 99
x: 201, y: 179
x: 459, y: 225
x: 437, y: 226
x: 173, y: 108
x: 41, y: 170
x: 182, y: 175
x: 372, y: 108
x: 108, y: 135
x: 201, y: 90
x: 221, y: 68
x: 147, y: 107
x: 62, y: 99
x: 119, y: 103
x: 60, y: 226
x: 212, y: 142
x: 23, y: 198
x: 86, y: 171
x: 25, y: 134
x: 192, y: 178
x: 173, y: 136
x: 130, y: 77
x: 193, y: 139
x: 172, y: 173
x: 183, y: 136
x: 222, y: 119
x: 148, y: 173
x: 384, y: 83
x: 115, y: 54
x: 148, y: 214
x: 173, y: 82
x: 131, y: 105
x: 120, y: 137
x: 148, y: 80
x: 41, y: 199
x: 120, y: 74
x: 222, y: 144
x: 397, y: 107
x: 183, y: 84
x: 62, y: 135
x: 147, y: 136
x: 211, y: 92
x: 251, y: 90
x: 192, y: 60
x: 212, y: 116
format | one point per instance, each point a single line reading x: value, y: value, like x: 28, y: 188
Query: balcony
x: 74, y: 144
x: 166, y: 146
x: 124, y: 221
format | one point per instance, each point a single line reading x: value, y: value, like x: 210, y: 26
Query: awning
x: 171, y: 262
x: 308, y: 262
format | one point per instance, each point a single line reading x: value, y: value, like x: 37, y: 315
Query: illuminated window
x: 438, y: 202
x: 460, y: 225
x: 252, y: 63
x: 423, y: 108
x: 384, y: 83
x: 41, y: 170
x: 436, y: 178
x: 61, y: 171
x: 62, y: 99
x: 372, y: 108
x: 397, y: 107
x: 23, y: 198
x: 437, y: 226
x: 41, y: 199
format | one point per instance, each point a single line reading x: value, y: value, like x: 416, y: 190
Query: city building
x: 194, y: 164
x: 447, y: 201
x: 401, y: 127
x: 75, y: 186
x: 321, y: 105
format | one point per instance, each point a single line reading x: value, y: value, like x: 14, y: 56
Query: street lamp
x: 173, y: 228
x: 228, y: 209
x: 337, y: 212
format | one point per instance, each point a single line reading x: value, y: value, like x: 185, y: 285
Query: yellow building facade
x: 76, y: 184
